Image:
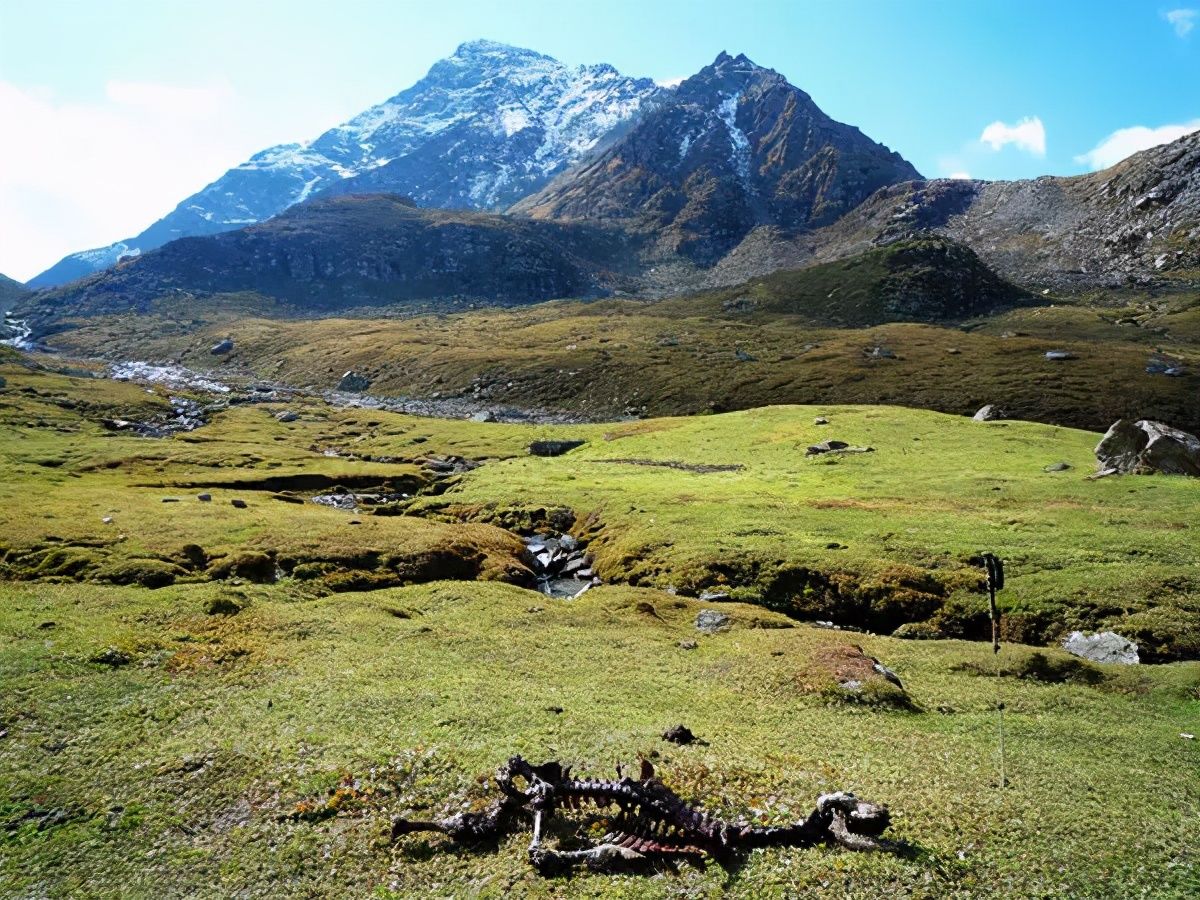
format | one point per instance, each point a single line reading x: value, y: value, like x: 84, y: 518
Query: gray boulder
x: 287, y: 415
x: 220, y: 348
x: 989, y: 413
x: 709, y: 621
x: 1102, y: 647
x: 353, y: 383
x: 1141, y: 447
x: 1059, y: 355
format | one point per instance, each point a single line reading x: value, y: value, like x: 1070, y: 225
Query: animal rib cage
x: 649, y: 824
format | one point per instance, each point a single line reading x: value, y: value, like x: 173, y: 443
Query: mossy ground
x: 184, y: 740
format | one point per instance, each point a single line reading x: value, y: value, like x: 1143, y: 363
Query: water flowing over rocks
x: 560, y: 565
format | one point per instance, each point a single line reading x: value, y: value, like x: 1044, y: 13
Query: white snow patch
x: 737, y: 138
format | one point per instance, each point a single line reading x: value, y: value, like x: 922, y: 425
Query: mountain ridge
x: 736, y: 146
x: 482, y: 128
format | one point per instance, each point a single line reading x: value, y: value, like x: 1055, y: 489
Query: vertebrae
x: 651, y: 824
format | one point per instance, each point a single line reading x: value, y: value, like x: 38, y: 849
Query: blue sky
x: 114, y: 111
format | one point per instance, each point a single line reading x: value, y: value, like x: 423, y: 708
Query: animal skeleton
x: 652, y: 825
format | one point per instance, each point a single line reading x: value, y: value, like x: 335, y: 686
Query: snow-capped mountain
x: 485, y: 127
x: 732, y: 148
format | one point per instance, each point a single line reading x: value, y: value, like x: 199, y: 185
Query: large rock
x: 1102, y: 647
x: 353, y: 383
x: 709, y: 621
x: 990, y: 413
x: 1143, y: 447
x: 220, y: 348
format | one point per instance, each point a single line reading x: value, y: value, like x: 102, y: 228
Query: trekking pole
x: 995, y: 581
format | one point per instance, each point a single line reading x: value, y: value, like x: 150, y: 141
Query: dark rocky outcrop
x: 357, y: 251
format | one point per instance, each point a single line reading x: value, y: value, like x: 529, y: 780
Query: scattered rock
x: 353, y: 383
x: 835, y: 447
x: 709, y: 621
x: 687, y: 645
x: 1163, y: 365
x: 886, y: 673
x: 679, y: 734
x: 1102, y: 647
x: 220, y: 348
x: 113, y: 657
x: 714, y: 596
x: 107, y: 520
x: 1136, y: 448
x: 553, y: 448
x: 743, y: 356
x: 238, y: 503
x: 1059, y: 355
x: 1057, y: 467
x: 204, y: 498
x: 989, y: 413
x: 484, y: 416
x: 820, y: 420
x: 170, y: 499
x: 287, y: 415
x: 880, y: 353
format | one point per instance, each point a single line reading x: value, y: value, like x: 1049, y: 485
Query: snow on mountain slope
x: 483, y: 128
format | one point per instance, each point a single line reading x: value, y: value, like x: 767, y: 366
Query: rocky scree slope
x: 1135, y: 223
x: 734, y: 147
x: 484, y: 127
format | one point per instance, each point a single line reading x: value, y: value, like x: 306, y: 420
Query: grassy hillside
x: 184, y: 740
x: 709, y: 353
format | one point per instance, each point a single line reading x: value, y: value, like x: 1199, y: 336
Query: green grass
x: 877, y: 538
x: 178, y: 773
x: 161, y: 741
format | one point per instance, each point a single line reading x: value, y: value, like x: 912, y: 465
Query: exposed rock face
x: 484, y: 127
x: 1133, y: 448
x: 353, y: 383
x: 733, y: 148
x: 1103, y: 647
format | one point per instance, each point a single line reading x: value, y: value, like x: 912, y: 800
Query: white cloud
x: 1127, y: 141
x: 80, y: 175
x: 1182, y: 20
x: 961, y: 176
x: 1029, y: 135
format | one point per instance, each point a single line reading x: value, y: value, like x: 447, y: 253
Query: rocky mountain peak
x: 486, y: 126
x: 734, y: 147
